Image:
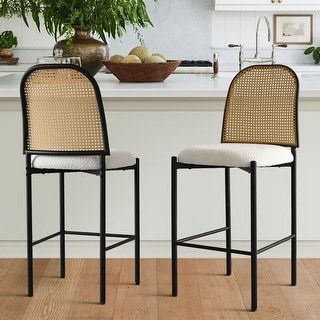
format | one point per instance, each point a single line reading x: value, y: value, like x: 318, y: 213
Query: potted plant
x: 8, y: 41
x: 77, y: 20
x: 315, y: 51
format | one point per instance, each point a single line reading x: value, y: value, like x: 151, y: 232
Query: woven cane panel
x: 261, y: 107
x: 62, y: 112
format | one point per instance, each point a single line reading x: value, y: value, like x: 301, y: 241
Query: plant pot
x: 91, y: 51
x: 6, y: 53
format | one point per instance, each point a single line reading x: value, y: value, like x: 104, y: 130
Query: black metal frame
x: 102, y: 234
x: 254, y: 251
x: 100, y: 172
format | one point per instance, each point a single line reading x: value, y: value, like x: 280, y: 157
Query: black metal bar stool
x: 65, y: 131
x: 260, y: 129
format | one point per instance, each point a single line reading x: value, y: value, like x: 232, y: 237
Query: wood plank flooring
x: 204, y: 292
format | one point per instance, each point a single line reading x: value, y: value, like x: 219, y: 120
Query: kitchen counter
x: 177, y: 86
x: 155, y: 121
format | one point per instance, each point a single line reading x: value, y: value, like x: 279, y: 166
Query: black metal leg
x: 29, y: 232
x: 103, y: 232
x: 294, y: 223
x: 228, y: 221
x: 254, y: 236
x: 174, y: 226
x: 62, y: 227
x: 137, y: 220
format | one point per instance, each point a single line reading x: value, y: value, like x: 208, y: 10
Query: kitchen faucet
x: 266, y: 19
x: 257, y: 57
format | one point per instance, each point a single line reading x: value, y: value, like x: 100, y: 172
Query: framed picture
x: 293, y: 28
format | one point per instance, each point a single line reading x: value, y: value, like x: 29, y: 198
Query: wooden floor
x: 205, y: 293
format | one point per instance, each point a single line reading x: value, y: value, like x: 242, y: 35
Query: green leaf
x: 110, y: 17
x: 316, y: 54
x: 309, y: 50
x: 8, y: 39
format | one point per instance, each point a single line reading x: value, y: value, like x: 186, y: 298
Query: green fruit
x: 160, y: 55
x: 131, y: 58
x: 142, y: 52
x: 117, y: 58
x: 154, y: 59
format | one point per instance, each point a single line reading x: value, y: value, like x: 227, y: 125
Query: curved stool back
x: 261, y: 107
x: 62, y: 111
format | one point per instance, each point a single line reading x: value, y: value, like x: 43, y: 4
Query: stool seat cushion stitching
x: 236, y: 155
x: 117, y: 159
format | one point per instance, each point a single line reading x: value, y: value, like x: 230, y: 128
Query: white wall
x: 240, y: 27
x: 184, y: 29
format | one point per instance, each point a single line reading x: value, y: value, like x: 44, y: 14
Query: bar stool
x: 64, y: 131
x: 260, y: 129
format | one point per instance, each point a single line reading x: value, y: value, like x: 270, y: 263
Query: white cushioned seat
x: 117, y: 159
x: 236, y: 155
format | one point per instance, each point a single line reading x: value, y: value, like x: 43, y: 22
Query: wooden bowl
x: 142, y: 72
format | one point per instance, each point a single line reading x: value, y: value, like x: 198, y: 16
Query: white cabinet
x: 266, y: 5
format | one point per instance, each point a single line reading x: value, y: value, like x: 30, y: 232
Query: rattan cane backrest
x: 63, y: 110
x: 261, y: 107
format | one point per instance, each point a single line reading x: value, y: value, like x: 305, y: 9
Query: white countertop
x: 225, y: 67
x: 177, y: 86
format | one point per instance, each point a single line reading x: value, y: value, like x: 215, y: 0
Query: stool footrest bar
x: 116, y: 235
x: 272, y: 245
x: 204, y: 234
x: 128, y: 238
x: 200, y: 246
x: 120, y: 243
x: 247, y: 253
x: 97, y: 234
x: 46, y: 238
